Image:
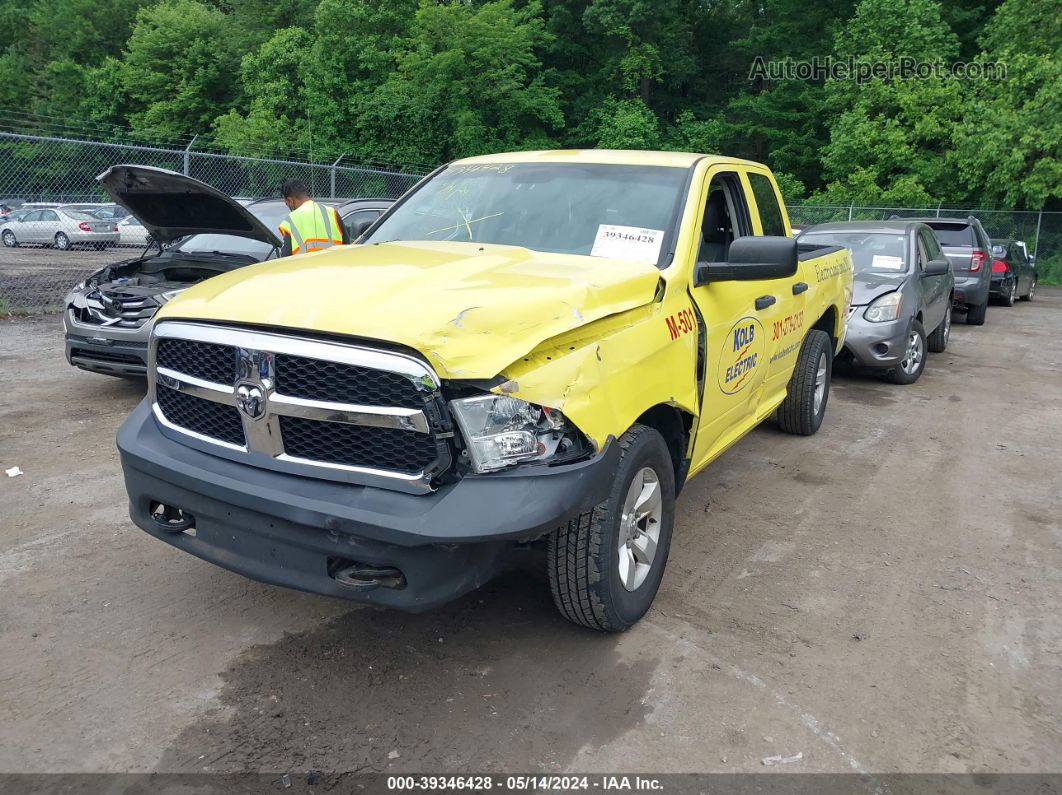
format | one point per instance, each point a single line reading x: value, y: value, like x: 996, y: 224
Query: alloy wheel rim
x: 820, y: 383
x: 1032, y: 288
x: 913, y: 357
x: 639, y: 530
x: 62, y: 242
x: 1014, y: 291
x: 9, y: 238
x: 947, y: 325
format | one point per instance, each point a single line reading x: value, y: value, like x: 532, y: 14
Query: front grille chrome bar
x: 255, y: 395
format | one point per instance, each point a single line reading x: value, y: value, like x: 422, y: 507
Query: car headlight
x: 883, y: 309
x: 501, y: 431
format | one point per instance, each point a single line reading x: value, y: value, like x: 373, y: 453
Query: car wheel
x: 975, y: 315
x: 9, y: 239
x: 938, y: 340
x: 62, y: 242
x: 1027, y: 297
x: 605, y: 565
x: 914, y: 358
x: 1010, y: 295
x: 809, y: 387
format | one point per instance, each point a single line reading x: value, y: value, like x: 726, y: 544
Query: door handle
x: 765, y: 301
x: 799, y: 287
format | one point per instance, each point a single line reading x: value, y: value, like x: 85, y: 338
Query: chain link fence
x: 1040, y: 229
x: 41, y: 258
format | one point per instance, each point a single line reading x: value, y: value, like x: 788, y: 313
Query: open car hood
x: 172, y: 206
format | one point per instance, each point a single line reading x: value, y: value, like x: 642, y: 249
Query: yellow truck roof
x: 630, y: 157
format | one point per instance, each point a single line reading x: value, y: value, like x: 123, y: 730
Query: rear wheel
x: 938, y: 340
x: 809, y: 387
x: 605, y: 566
x: 914, y: 358
x: 62, y: 242
x: 9, y: 239
x: 1027, y: 297
x: 975, y: 315
x: 1010, y: 294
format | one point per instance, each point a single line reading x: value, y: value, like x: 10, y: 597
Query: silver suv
x: 968, y: 248
x: 195, y: 232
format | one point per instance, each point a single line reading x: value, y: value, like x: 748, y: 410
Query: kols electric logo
x: 742, y: 353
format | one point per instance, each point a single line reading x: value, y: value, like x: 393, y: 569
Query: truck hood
x: 471, y: 309
x: 172, y: 206
x: 868, y: 286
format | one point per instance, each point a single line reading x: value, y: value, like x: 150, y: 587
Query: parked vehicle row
x: 60, y: 227
x: 530, y: 350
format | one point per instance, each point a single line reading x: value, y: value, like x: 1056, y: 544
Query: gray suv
x: 968, y: 248
x: 901, y: 301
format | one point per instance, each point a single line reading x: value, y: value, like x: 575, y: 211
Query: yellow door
x: 738, y: 334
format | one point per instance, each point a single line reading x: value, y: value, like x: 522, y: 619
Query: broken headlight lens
x: 501, y: 431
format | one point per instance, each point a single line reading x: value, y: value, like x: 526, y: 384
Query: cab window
x: 726, y: 217
x: 767, y: 201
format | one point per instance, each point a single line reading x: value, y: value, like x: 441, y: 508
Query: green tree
x: 178, y: 68
x: 891, y: 141
x: 1009, y: 146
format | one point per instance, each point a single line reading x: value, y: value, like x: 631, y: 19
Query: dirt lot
x: 32, y: 277
x: 881, y: 597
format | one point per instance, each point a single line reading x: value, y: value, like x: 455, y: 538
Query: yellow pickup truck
x: 528, y: 351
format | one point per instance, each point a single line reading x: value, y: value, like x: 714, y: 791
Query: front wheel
x: 914, y: 358
x: 9, y: 239
x: 605, y: 565
x: 809, y: 387
x: 62, y: 242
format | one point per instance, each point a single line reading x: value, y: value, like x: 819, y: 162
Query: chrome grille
x: 310, y: 407
x: 204, y: 417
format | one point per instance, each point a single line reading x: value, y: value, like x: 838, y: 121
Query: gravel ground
x: 35, y: 277
x: 881, y: 597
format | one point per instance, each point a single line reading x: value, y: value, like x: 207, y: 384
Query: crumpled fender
x: 606, y: 374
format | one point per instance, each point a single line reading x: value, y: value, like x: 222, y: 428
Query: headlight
x: 885, y: 308
x: 501, y: 431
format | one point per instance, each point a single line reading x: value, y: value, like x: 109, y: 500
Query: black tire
x: 798, y: 413
x: 1009, y: 294
x: 938, y: 340
x: 916, y: 347
x: 9, y: 239
x: 584, y: 554
x: 1032, y: 290
x: 62, y: 242
x: 975, y: 315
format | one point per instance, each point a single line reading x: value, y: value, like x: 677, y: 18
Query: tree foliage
x: 423, y: 81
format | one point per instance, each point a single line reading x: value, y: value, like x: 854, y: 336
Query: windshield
x: 270, y: 215
x: 877, y: 252
x: 565, y: 208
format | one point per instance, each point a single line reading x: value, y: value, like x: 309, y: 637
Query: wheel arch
x: 676, y: 426
x: 829, y: 322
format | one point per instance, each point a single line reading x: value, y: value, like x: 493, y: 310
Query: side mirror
x: 936, y: 267
x: 357, y: 229
x: 751, y: 259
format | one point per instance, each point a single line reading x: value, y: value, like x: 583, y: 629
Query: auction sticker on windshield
x: 627, y: 242
x: 882, y: 262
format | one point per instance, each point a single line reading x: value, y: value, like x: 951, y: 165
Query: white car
x: 132, y: 233
x: 59, y: 227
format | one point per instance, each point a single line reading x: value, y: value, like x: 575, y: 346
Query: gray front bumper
x: 876, y: 344
x: 110, y: 351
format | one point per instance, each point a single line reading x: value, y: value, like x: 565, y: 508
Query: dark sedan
x: 1013, y: 272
